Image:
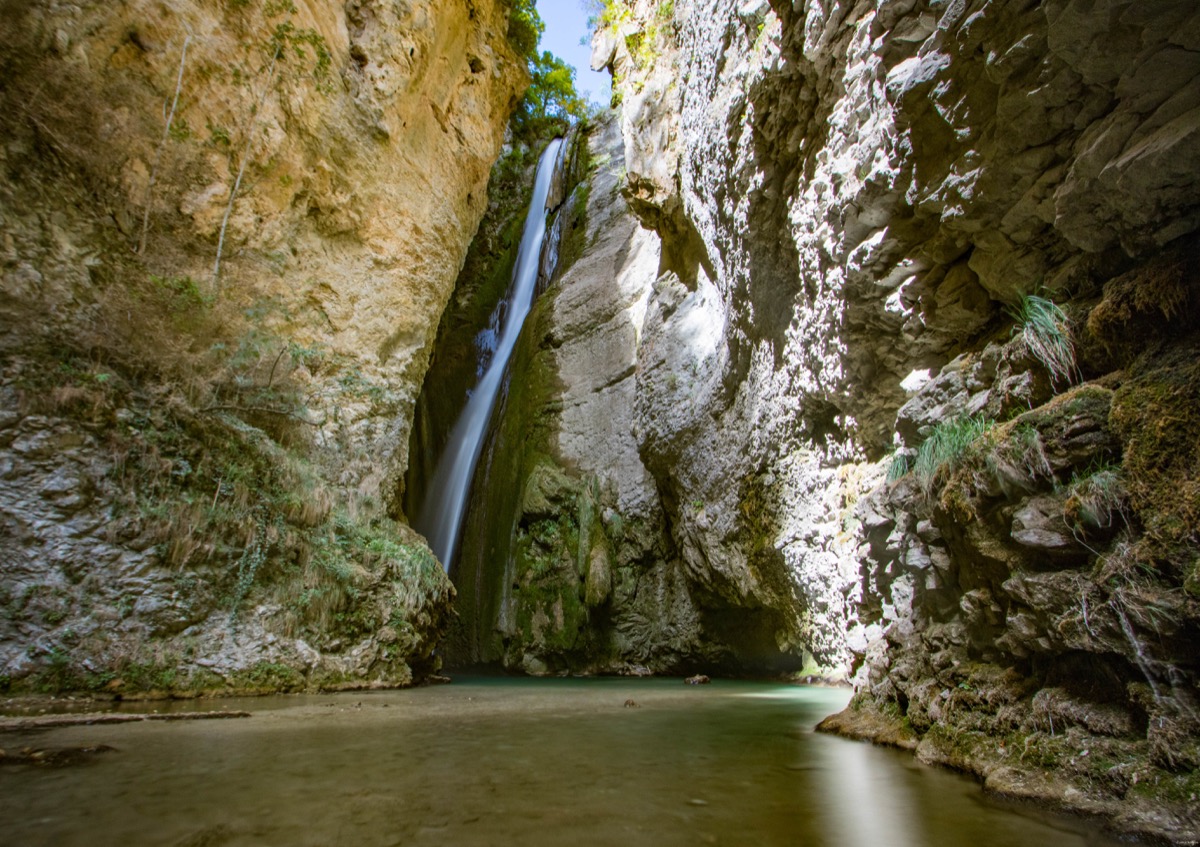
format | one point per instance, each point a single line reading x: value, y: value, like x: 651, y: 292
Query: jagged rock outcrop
x: 854, y: 198
x: 229, y: 230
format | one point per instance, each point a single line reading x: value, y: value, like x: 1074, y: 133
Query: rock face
x: 568, y: 562
x: 209, y: 454
x: 576, y: 572
x: 854, y: 199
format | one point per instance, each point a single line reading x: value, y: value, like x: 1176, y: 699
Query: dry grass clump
x: 1096, y: 499
x: 1017, y: 459
x: 1138, y: 304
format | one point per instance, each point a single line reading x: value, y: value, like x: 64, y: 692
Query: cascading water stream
x: 445, y: 500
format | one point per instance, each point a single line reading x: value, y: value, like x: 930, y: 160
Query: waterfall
x: 441, y: 513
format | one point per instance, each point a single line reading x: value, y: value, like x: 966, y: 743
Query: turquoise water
x: 509, y: 762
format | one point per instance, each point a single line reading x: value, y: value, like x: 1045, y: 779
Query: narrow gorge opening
x: 447, y: 494
x: 843, y: 366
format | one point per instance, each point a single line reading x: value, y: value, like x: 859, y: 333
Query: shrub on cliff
x: 525, y: 27
x: 551, y: 103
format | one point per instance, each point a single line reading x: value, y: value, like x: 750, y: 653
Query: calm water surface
x: 509, y: 762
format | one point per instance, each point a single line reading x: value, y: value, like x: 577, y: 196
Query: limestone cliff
x: 953, y: 244
x: 566, y: 562
x: 229, y: 230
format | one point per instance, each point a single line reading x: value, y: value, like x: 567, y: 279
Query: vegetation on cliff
x: 551, y: 103
x: 208, y: 339
x: 1056, y: 552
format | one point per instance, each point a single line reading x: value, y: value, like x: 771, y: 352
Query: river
x: 509, y: 761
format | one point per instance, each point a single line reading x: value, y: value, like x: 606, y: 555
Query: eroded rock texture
x: 853, y: 199
x: 566, y: 561
x: 201, y: 464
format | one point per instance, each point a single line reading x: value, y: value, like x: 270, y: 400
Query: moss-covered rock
x: 203, y: 547
x: 1157, y: 414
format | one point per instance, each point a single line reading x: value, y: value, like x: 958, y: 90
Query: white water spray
x: 446, y: 499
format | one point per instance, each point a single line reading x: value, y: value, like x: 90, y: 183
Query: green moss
x: 1163, y: 787
x: 1157, y: 416
x: 575, y: 233
x: 1056, y: 419
x: 1191, y: 580
x: 758, y: 519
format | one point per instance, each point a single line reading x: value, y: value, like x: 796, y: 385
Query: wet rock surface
x: 590, y: 581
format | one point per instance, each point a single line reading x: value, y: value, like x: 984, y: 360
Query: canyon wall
x: 567, y: 564
x: 916, y: 380
x: 229, y: 231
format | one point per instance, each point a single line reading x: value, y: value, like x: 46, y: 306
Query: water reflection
x: 871, y: 806
x: 497, y: 762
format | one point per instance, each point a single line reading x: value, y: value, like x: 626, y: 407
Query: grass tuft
x: 899, y: 466
x: 947, y: 446
x: 1046, y: 333
x: 1096, y: 498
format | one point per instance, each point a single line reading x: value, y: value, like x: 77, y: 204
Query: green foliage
x: 1156, y: 413
x: 607, y: 13
x: 947, y: 446
x: 1046, y: 334
x: 268, y: 676
x: 643, y: 44
x: 218, y: 136
x: 551, y: 102
x: 347, y: 544
x: 252, y: 559
x: 525, y: 27
x: 304, y: 45
x: 899, y: 466
x: 181, y: 294
x: 149, y: 676
x: 179, y: 130
x: 58, y: 673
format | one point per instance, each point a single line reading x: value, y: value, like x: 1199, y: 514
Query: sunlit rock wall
x: 365, y: 183
x: 566, y: 564
x: 852, y: 196
x: 356, y: 140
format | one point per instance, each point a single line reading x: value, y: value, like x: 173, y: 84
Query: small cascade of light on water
x: 441, y: 513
